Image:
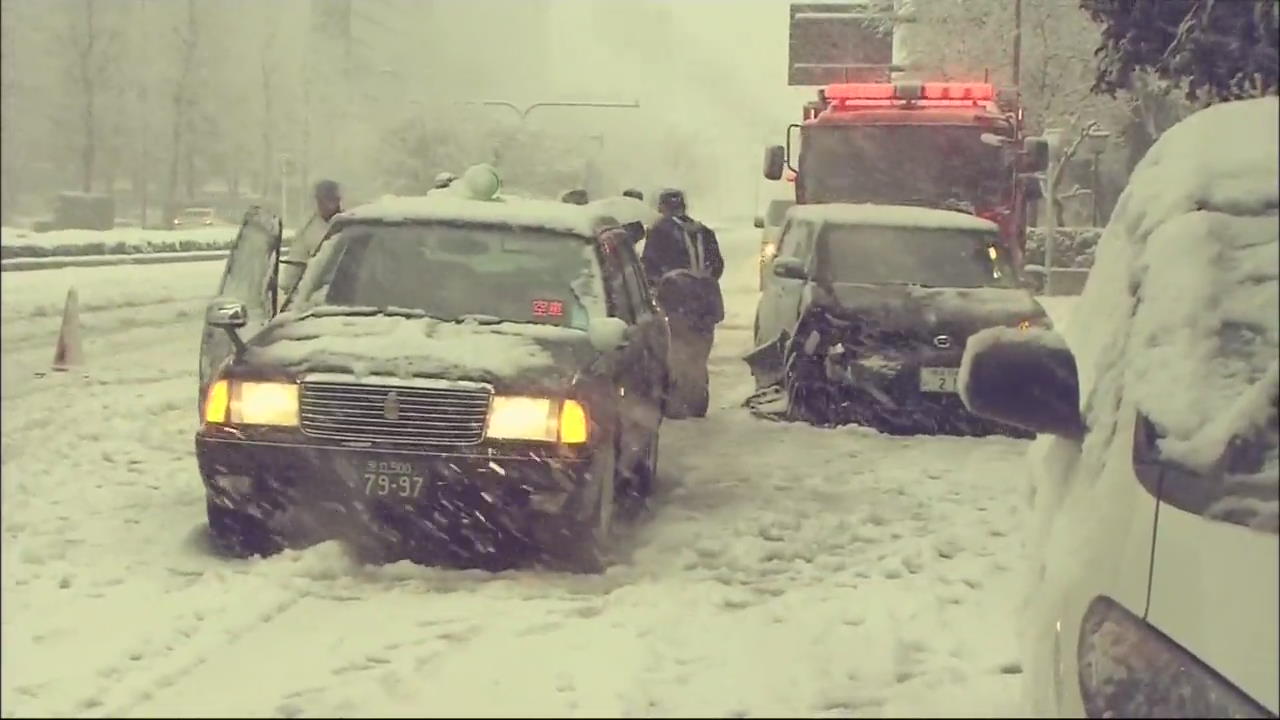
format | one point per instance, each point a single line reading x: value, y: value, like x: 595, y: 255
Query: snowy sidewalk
x: 789, y: 570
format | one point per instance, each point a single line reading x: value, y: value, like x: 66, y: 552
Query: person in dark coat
x: 683, y: 263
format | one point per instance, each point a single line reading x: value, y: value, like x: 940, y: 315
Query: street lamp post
x: 523, y: 112
x: 1095, y: 143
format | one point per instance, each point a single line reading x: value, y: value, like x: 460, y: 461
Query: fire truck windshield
x: 931, y: 165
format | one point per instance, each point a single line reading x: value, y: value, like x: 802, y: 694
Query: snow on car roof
x: 1180, y: 304
x: 503, y: 210
x: 890, y: 216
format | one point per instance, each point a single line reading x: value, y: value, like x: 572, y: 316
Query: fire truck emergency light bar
x: 886, y: 93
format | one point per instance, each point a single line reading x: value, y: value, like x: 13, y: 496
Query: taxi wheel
x: 584, y: 547
x: 636, y: 489
x: 237, y: 534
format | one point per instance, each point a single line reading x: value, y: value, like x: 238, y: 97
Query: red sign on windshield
x: 548, y: 308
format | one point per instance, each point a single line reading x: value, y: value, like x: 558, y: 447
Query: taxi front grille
x: 396, y: 414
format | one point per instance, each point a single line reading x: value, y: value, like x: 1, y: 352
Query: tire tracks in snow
x: 171, y: 664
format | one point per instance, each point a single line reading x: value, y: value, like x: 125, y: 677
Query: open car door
x: 250, y: 277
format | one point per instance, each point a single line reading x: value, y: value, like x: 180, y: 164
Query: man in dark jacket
x: 683, y: 263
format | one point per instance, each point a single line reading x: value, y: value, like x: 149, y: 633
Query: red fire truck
x: 947, y: 145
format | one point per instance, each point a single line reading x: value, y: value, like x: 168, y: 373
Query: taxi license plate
x: 391, y: 479
x: 939, y: 379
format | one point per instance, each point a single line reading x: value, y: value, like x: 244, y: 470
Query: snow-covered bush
x: 1074, y: 247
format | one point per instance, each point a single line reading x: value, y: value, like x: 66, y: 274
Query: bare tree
x: 93, y: 45
x: 10, y: 87
x: 183, y: 102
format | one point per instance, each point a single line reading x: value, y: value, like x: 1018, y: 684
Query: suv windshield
x: 455, y: 272
x: 914, y: 255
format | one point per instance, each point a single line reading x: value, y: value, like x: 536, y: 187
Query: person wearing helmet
x: 633, y: 193
x: 683, y: 263
x: 328, y: 196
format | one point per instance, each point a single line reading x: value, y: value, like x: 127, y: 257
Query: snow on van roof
x: 503, y: 210
x: 1181, y: 301
x: 890, y: 216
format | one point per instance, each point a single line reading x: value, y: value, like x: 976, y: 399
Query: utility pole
x: 1054, y: 136
x: 286, y: 163
x: 1017, y: 42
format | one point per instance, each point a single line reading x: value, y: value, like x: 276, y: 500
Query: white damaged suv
x: 1155, y: 557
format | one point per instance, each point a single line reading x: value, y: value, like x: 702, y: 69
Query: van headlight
x: 236, y: 402
x: 537, y: 419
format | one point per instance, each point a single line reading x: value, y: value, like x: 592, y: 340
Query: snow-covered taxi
x: 1156, y: 577
x: 466, y: 378
x: 867, y: 308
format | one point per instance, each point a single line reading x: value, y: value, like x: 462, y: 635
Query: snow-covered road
x: 788, y: 570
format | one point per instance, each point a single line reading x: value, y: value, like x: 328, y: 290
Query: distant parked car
x: 1156, y: 489
x: 771, y: 224
x: 195, y: 217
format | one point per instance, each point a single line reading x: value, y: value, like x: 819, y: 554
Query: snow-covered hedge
x: 22, y: 243
x: 1074, y: 247
x: 19, y: 243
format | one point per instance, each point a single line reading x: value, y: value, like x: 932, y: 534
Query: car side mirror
x: 1035, y: 154
x: 759, y: 222
x: 1031, y: 187
x: 226, y: 313
x: 230, y: 315
x: 790, y: 268
x: 1025, y: 378
x: 635, y: 231
x: 775, y: 158
x: 608, y: 333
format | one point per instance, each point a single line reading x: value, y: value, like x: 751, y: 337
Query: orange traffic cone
x: 69, y: 352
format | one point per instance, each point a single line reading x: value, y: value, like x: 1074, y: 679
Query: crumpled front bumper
x: 884, y: 388
x: 466, y: 505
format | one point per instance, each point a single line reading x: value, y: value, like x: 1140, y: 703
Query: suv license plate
x: 939, y: 379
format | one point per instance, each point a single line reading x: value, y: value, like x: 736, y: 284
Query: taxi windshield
x: 457, y: 272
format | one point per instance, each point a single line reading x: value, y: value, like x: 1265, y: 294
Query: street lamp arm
x: 524, y: 112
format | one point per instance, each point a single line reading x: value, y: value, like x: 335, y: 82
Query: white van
x: 1155, y: 588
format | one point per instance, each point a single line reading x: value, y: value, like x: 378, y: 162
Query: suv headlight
x: 238, y: 402
x: 1130, y: 669
x: 537, y: 419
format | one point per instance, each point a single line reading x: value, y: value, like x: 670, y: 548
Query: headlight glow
x: 215, y: 402
x: 573, y: 423
x: 264, y: 403
x: 1043, y: 322
x: 768, y: 251
x: 537, y: 419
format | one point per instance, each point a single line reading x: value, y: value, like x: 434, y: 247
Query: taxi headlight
x: 252, y: 403
x: 537, y: 419
x: 768, y: 251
